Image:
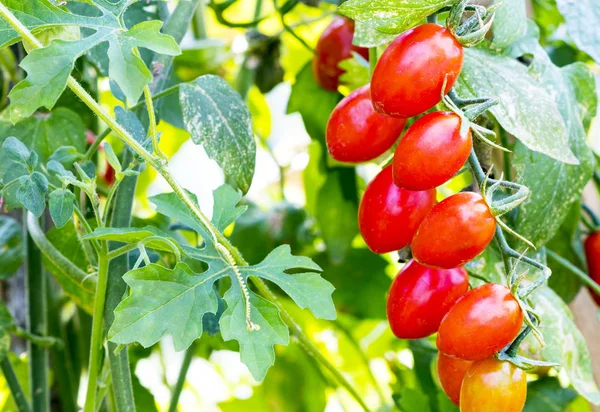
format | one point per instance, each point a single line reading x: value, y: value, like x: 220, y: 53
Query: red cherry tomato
x: 592, y: 255
x: 409, y: 76
x: 421, y: 296
x: 334, y: 45
x: 483, y: 321
x: 431, y: 151
x: 388, y: 216
x: 455, y: 231
x: 356, y: 132
x: 451, y: 372
x: 493, y: 386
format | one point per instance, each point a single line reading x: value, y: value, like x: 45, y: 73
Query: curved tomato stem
x: 592, y: 215
x: 473, y: 31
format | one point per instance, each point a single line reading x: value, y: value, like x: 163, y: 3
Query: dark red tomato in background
x: 455, y: 231
x: 431, y: 151
x: 357, y: 133
x: 409, y: 76
x: 334, y: 45
x: 451, y: 372
x: 388, y: 216
x: 592, y: 255
x: 482, y: 322
x: 491, y: 385
x: 420, y: 297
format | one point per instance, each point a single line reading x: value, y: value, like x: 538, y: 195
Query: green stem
x: 198, y: 25
x: 115, y: 253
x: 218, y: 237
x: 584, y: 277
x: 372, y: 60
x: 505, y: 155
x: 97, y: 343
x: 13, y: 384
x: 183, y: 370
x: 37, y: 323
x: 42, y: 341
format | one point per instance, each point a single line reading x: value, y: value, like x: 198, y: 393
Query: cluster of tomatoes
x: 399, y: 208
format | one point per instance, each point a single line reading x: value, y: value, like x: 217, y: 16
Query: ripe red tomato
x: 420, y: 297
x: 493, y: 386
x: 482, y: 322
x: 409, y: 76
x: 431, y: 151
x: 455, y: 231
x: 592, y: 255
x: 388, y: 216
x: 334, y: 45
x: 451, y: 372
x: 356, y: 132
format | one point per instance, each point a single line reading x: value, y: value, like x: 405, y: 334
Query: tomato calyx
x: 472, y: 31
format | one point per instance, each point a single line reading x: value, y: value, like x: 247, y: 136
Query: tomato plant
x: 356, y: 133
x: 388, y: 217
x: 482, y: 322
x: 431, y: 151
x: 420, y: 297
x: 203, y: 205
x: 492, y: 385
x: 455, y: 231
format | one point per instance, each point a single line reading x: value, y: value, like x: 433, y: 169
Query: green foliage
x: 535, y: 122
x: 547, y: 394
x: 61, y: 206
x: 191, y: 295
x: 11, y: 248
x: 581, y: 17
x: 510, y: 23
x: 565, y: 344
x: 391, y: 17
x: 218, y: 119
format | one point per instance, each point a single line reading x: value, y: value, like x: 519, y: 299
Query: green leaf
x: 413, y: 400
x: 364, y: 268
x: 44, y: 134
x: 337, y: 208
x: 32, y: 193
x: 65, y: 155
x: 61, y: 206
x: 524, y: 109
x: 367, y: 36
x: 510, y: 23
x: 256, y: 347
x: 159, y: 239
x: 112, y: 158
x: 487, y: 265
x: 314, y: 103
x: 164, y: 301
x: 567, y: 243
x: 11, y: 246
x: 228, y: 197
x: 582, y: 18
x: 565, y: 344
x: 59, y: 170
x: 356, y: 71
x: 547, y: 395
x: 48, y: 68
x: 308, y: 290
x: 573, y: 88
x: 391, y: 16
x: 15, y: 150
x: 217, y: 118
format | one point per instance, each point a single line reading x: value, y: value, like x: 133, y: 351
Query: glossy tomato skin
x: 334, y: 45
x: 409, y: 76
x: 455, y: 231
x: 482, y: 322
x: 420, y: 297
x: 451, y: 372
x: 431, y: 151
x: 357, y: 133
x: 388, y: 216
x: 592, y: 255
x: 491, y: 385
